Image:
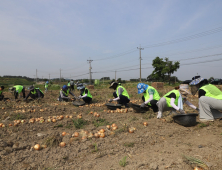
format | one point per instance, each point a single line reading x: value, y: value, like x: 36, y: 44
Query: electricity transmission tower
x: 90, y: 73
x: 140, y: 59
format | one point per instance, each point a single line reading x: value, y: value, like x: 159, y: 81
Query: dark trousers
x: 153, y: 104
x: 87, y: 99
x: 16, y: 94
x: 1, y: 97
x: 61, y: 99
x: 35, y: 96
x: 123, y: 99
x: 71, y: 87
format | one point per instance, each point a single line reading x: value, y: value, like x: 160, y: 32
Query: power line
x: 191, y: 37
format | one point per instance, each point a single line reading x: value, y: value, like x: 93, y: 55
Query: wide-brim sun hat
x: 142, y: 87
x: 112, y: 84
x: 80, y: 87
x: 31, y: 88
x: 196, y: 81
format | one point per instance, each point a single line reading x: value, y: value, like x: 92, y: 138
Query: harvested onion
x: 62, y: 144
x: 102, y: 131
x: 37, y: 147
x: 96, y: 135
x: 108, y: 126
x: 76, y: 134
x: 145, y: 124
x: 102, y: 135
x: 63, y: 133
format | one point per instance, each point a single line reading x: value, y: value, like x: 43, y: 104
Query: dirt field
x: 160, y: 145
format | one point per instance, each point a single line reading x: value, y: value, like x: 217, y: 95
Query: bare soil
x: 160, y: 145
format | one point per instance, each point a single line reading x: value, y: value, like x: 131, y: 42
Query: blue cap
x: 47, y: 82
x: 141, y: 87
x: 64, y: 87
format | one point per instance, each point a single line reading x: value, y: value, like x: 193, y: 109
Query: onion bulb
x: 145, y: 124
x: 102, y: 131
x: 97, y: 115
x: 131, y: 130
x: 79, y: 116
x: 63, y: 133
x: 76, y: 134
x: 53, y: 120
x: 49, y: 120
x: 37, y: 147
x: 62, y: 144
x: 96, y: 135
x: 66, y: 116
x: 108, y: 126
x: 1, y: 124
x: 3, y: 108
x: 90, y: 135
x: 102, y: 135
x: 9, y: 125
x: 70, y: 117
x: 197, y: 168
x: 61, y: 117
x: 113, y: 125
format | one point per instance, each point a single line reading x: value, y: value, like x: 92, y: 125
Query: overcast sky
x: 51, y: 34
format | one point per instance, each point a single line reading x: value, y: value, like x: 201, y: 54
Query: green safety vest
x: 124, y: 91
x: 18, y: 88
x: 212, y: 91
x: 168, y: 99
x: 156, y: 95
x: 35, y: 91
x: 68, y: 84
x: 66, y: 93
x: 88, y: 94
x: 46, y: 85
x: 0, y: 92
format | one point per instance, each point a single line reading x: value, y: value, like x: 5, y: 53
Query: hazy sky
x: 51, y: 34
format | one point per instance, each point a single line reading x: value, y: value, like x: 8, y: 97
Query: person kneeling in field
x: 34, y: 93
x: 17, y: 90
x: 84, y: 93
x: 1, y: 95
x: 64, y: 92
x: 121, y: 95
x: 150, y: 96
x: 210, y: 99
x: 174, y: 100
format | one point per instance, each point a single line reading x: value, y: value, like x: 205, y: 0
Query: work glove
x: 143, y: 105
x: 181, y: 111
x: 80, y: 97
x: 110, y: 100
x: 197, y: 109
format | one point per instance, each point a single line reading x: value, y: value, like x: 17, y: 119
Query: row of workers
x: 210, y: 97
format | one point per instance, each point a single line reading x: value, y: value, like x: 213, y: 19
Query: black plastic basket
x: 138, y: 109
x: 112, y: 106
x: 186, y: 120
x: 78, y: 103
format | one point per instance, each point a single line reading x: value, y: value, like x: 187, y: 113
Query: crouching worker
x: 1, y: 95
x: 17, y: 90
x: 46, y: 86
x: 64, y: 92
x: 210, y: 99
x: 121, y: 95
x: 34, y: 93
x: 150, y: 96
x: 84, y: 93
x: 173, y: 101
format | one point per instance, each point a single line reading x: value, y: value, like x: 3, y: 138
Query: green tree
x: 164, y: 68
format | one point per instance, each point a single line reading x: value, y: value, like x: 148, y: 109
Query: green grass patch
x: 123, y: 161
x: 18, y: 116
x: 129, y: 144
x: 201, y: 125
x: 100, y: 122
x: 79, y: 123
x: 60, y: 125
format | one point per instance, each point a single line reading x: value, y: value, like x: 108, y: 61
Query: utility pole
x: 115, y: 75
x: 90, y: 73
x: 36, y: 76
x: 60, y: 75
x: 140, y: 59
